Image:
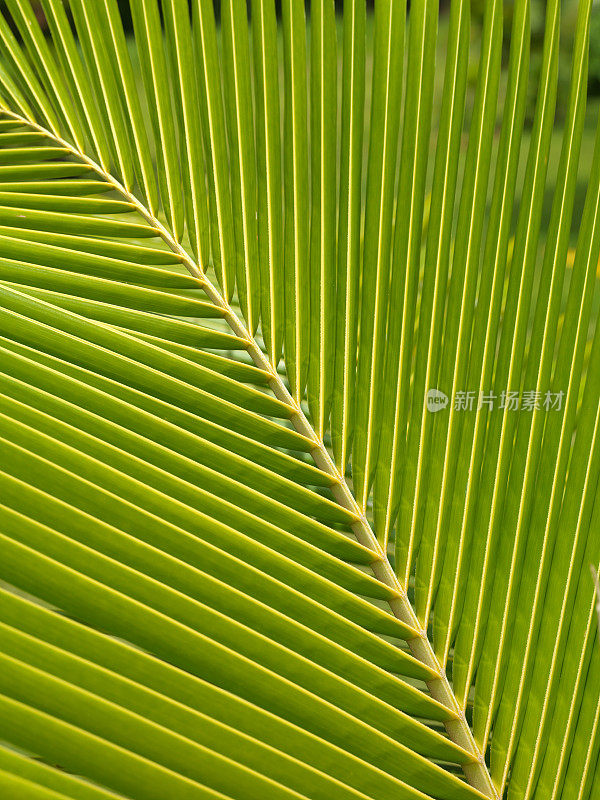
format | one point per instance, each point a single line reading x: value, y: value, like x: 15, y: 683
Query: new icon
x: 436, y: 400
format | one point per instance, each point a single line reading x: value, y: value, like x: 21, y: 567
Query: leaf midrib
x: 476, y: 771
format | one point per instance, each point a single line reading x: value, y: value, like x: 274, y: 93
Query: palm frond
x: 241, y: 553
x: 388, y: 48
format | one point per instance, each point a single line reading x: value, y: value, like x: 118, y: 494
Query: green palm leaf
x: 240, y: 553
